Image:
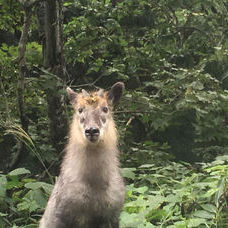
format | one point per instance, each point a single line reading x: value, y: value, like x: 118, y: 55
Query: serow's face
x: 93, y: 119
x: 93, y: 110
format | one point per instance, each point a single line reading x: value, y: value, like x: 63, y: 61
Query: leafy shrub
x: 22, y: 198
x: 177, y: 195
x: 172, y: 56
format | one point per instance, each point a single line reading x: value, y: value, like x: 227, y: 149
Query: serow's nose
x: 92, y: 132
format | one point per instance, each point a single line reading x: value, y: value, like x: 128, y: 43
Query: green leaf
x: 209, y: 207
x: 19, y: 171
x: 141, y: 190
x: 30, y: 226
x: 14, y: 182
x: 195, y: 222
x: 156, y: 201
x: 130, y: 220
x: 28, y: 205
x: 3, y: 214
x: 197, y: 85
x: 203, y: 214
x: 220, y: 191
x: 128, y: 173
x: 37, y: 196
x: 156, y: 215
x: 173, y: 198
x: 37, y: 185
x: 178, y: 224
x: 146, y: 166
x: 34, y: 185
x: 3, y: 184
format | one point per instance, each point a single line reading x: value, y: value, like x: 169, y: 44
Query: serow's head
x: 93, y: 111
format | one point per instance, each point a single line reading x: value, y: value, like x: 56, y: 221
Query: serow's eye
x: 80, y: 110
x: 105, y: 109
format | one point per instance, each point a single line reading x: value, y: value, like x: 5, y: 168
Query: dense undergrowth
x: 177, y: 195
x: 172, y: 120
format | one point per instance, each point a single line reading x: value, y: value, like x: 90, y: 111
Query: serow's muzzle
x: 92, y: 134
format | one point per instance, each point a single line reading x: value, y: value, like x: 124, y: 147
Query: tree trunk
x: 22, y: 73
x: 54, y: 63
x: 22, y: 68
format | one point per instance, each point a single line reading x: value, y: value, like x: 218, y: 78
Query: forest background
x: 172, y: 56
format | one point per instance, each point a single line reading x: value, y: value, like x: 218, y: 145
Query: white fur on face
x: 94, y: 118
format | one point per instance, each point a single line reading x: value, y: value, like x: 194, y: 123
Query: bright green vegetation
x: 172, y: 56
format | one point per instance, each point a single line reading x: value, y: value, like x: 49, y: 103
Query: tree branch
x: 5, y: 98
x: 23, y: 68
x: 21, y: 81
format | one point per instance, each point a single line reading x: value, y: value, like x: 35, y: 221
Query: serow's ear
x: 72, y: 95
x: 115, y: 93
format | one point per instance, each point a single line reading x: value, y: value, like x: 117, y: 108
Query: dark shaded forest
x: 172, y: 56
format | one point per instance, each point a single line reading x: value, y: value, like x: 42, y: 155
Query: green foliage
x: 177, y: 195
x: 163, y: 50
x: 34, y: 54
x: 172, y: 56
x: 21, y: 199
x: 10, y: 15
